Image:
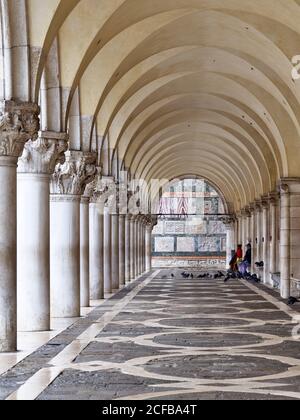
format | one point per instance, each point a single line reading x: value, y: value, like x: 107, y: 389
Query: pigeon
x: 292, y: 301
x: 192, y: 276
x: 172, y: 275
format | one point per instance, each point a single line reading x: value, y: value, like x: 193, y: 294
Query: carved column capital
x: 228, y: 221
x: 40, y: 156
x: 19, y: 122
x: 72, y: 176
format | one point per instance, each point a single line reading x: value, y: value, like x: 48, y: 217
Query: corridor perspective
x: 149, y: 199
x: 165, y: 338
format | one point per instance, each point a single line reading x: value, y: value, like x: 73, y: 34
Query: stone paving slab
x: 175, y: 339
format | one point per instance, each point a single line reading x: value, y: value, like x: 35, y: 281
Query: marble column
x: 266, y: 240
x: 84, y: 252
x: 229, y: 224
x: 37, y: 163
x: 115, y: 251
x: 96, y: 276
x: 107, y: 260
x: 149, y: 246
x: 122, y: 246
x: 259, y: 256
x: 132, y: 248
x: 143, y: 245
x: 67, y: 187
x: 285, y: 244
x: 19, y: 122
x: 253, y: 236
x: 127, y: 248
x: 273, y: 200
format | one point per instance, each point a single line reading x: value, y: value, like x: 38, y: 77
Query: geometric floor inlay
x: 171, y: 338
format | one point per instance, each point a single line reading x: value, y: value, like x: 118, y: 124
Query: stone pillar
x: 132, y: 248
x: 122, y: 245
x: 137, y: 244
x: 143, y: 244
x: 253, y: 236
x: 236, y: 234
x: 266, y: 240
x: 127, y: 248
x: 96, y: 286
x: 285, y: 244
x: 229, y: 223
x: 115, y: 251
x: 67, y: 187
x: 273, y: 200
x: 149, y: 246
x: 107, y: 260
x: 19, y: 122
x: 240, y: 228
x: 33, y: 221
x: 259, y: 256
x: 84, y: 253
x: 248, y: 224
x: 289, y: 234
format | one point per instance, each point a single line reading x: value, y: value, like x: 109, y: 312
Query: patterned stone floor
x: 169, y: 339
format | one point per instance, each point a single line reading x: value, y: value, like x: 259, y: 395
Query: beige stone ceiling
x: 202, y: 87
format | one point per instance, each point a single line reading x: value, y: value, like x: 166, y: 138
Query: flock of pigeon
x: 231, y: 275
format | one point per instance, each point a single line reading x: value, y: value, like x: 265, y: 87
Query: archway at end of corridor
x: 190, y: 231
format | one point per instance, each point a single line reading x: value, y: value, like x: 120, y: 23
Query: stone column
x: 149, y: 246
x: 258, y: 207
x: 132, y: 248
x: 127, y: 248
x: 285, y: 244
x: 143, y: 244
x: 137, y: 251
x: 122, y: 245
x: 229, y: 224
x: 266, y: 240
x: 273, y: 200
x: 236, y: 233
x: 33, y: 222
x: 19, y: 122
x: 84, y: 252
x: 107, y: 251
x: 95, y: 191
x: 67, y: 187
x: 253, y: 236
x: 115, y: 251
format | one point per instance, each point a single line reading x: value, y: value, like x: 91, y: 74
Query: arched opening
x: 190, y: 232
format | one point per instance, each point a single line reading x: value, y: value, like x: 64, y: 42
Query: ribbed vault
x: 176, y: 86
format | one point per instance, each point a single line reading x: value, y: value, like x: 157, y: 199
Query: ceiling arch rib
x: 139, y: 81
x: 199, y: 162
x: 251, y: 171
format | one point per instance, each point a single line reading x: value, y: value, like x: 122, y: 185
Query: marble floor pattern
x: 164, y: 338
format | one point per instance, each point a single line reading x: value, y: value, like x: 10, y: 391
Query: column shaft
x: 84, y: 253
x: 33, y: 252
x: 127, y: 249
x: 122, y: 250
x: 115, y: 251
x: 285, y: 243
x: 8, y: 248
x: 107, y: 252
x: 96, y: 252
x: 65, y: 256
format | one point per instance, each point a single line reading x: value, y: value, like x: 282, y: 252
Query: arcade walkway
x: 169, y: 338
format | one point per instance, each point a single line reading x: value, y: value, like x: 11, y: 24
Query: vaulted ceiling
x: 202, y: 87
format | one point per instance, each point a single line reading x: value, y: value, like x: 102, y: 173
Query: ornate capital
x: 40, y: 156
x: 96, y: 188
x: 19, y: 122
x: 228, y: 221
x: 72, y: 176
